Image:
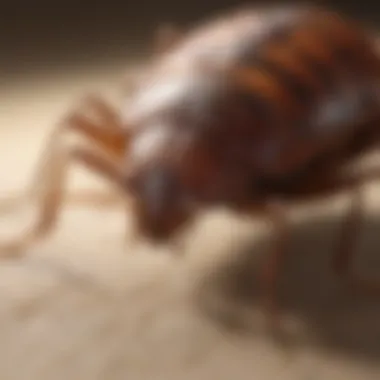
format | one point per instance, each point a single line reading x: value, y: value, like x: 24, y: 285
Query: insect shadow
x: 333, y: 316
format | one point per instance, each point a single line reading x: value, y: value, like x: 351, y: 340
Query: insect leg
x: 104, y: 131
x: 350, y: 230
x: 325, y: 184
x: 342, y: 261
x: 107, y: 114
x: 349, y: 235
x: 50, y: 200
x: 47, y: 188
x: 271, y: 271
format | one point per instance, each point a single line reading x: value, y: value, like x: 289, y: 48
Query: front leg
x: 98, y: 123
x: 107, y: 142
x: 51, y: 199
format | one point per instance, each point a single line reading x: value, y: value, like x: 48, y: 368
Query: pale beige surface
x: 82, y: 306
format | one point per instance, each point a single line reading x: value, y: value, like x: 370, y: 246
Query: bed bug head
x: 179, y: 159
x: 160, y: 205
x: 158, y: 169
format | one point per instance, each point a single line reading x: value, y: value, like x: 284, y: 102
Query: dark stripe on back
x: 255, y: 108
x: 321, y: 71
x: 295, y: 84
x: 302, y: 92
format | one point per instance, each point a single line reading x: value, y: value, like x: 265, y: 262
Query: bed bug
x: 249, y: 111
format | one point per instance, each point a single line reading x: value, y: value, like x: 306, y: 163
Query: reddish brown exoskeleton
x: 250, y: 111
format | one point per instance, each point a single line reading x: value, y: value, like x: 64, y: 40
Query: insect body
x: 243, y: 107
x: 247, y: 112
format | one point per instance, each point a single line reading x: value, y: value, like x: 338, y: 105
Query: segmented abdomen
x: 316, y: 76
x: 270, y: 89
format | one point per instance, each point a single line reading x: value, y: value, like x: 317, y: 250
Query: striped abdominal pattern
x: 271, y: 90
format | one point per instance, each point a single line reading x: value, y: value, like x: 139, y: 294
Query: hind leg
x: 106, y: 142
x: 320, y: 187
x: 271, y: 271
x: 342, y: 260
x: 349, y: 234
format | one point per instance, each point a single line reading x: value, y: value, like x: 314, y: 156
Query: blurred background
x: 40, y: 35
x: 82, y: 306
